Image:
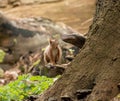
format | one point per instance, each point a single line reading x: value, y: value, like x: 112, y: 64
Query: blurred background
x: 75, y: 13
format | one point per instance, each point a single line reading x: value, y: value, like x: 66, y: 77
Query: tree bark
x: 97, y: 66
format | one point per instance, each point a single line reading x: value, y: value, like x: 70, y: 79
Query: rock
x: 52, y: 99
x: 5, y: 66
x: 47, y: 1
x: 69, y: 58
x: 3, y: 3
x: 12, y: 1
x: 75, y: 39
x: 15, y: 4
x: 2, y: 82
x: 117, y: 98
x: 11, y: 75
x: 81, y: 94
x: 118, y: 85
x: 32, y: 98
x: 26, y: 2
x: 65, y: 98
x: 10, y: 59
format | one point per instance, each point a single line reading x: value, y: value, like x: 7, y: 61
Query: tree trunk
x: 97, y: 66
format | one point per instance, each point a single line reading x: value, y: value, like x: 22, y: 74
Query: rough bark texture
x: 97, y: 66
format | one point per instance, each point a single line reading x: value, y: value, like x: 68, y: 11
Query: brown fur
x: 52, y: 53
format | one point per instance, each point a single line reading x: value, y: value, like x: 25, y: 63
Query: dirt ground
x: 76, y: 13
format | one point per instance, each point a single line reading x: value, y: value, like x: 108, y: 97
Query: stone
x: 118, y: 85
x: 26, y: 2
x: 15, y: 4
x: 12, y: 1
x: 3, y: 3
x: 75, y: 39
x: 65, y: 98
x: 81, y: 94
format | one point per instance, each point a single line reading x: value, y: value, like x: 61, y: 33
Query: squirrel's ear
x: 56, y: 41
x: 50, y: 41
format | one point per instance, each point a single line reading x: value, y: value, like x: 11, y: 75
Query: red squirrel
x: 52, y: 53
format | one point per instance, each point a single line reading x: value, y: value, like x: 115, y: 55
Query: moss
x: 2, y: 55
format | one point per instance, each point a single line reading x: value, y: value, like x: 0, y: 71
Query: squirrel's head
x: 53, y: 43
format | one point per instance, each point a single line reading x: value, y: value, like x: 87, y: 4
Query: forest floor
x: 75, y: 13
